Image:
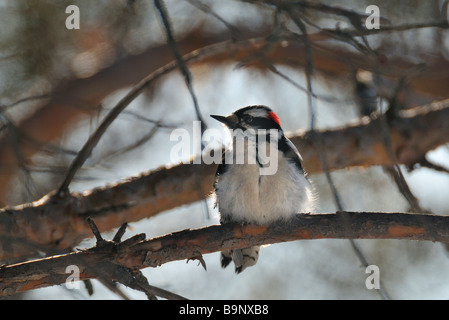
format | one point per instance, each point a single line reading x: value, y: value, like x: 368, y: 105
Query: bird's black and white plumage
x: 269, y: 185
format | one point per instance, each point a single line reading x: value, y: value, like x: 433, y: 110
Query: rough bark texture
x: 60, y: 222
x: 106, y: 260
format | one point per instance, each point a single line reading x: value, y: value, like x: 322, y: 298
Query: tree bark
x: 54, y: 222
x: 104, y: 260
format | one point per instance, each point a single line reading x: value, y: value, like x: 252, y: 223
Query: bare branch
x: 61, y: 222
x: 190, y: 243
x: 205, y: 8
x: 160, y: 6
x: 430, y: 165
x: 81, y: 95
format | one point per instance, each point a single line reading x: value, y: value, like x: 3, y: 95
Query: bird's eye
x: 247, y: 119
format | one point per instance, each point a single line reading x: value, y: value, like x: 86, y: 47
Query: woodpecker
x: 366, y: 93
x: 250, y: 191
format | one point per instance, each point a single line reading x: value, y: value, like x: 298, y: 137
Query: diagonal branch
x: 160, y: 6
x: 81, y: 95
x: 192, y: 243
x: 55, y: 222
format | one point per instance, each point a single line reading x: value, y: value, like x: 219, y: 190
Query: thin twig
x: 30, y: 98
x: 309, y: 70
x: 430, y: 165
x: 166, y: 294
x: 95, y: 230
x: 86, y: 150
x: 160, y: 6
x: 206, y: 9
x: 309, y: 76
x: 394, y: 169
x: 346, y: 218
x: 276, y: 71
x: 132, y: 146
x: 15, y: 137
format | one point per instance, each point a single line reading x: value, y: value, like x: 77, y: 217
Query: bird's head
x: 252, y: 117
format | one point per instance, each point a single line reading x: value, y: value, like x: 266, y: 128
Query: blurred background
x: 56, y: 86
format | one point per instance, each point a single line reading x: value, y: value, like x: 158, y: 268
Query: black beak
x: 219, y: 118
x: 230, y: 121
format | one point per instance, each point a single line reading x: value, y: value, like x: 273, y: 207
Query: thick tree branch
x: 80, y: 96
x: 59, y: 222
x: 193, y: 243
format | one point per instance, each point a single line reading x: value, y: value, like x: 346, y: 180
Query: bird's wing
x: 291, y: 153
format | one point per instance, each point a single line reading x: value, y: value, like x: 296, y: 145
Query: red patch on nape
x: 275, y: 117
